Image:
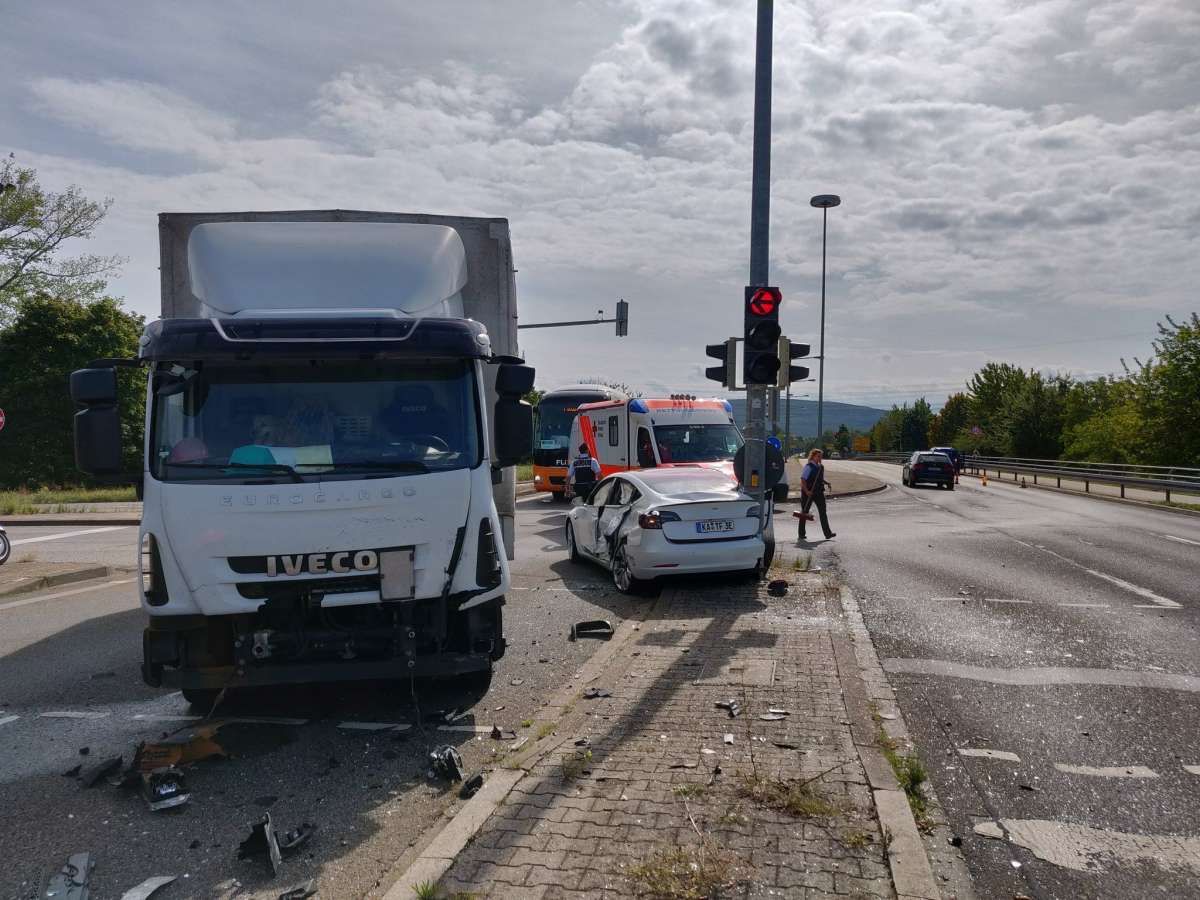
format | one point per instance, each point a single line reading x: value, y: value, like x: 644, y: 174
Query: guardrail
x: 1168, y: 479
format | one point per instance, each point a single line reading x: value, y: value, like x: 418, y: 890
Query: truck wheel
x: 201, y: 699
x: 5, y: 548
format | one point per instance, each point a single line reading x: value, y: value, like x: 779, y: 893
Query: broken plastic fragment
x: 728, y: 737
x: 165, y: 789
x: 447, y: 763
x: 777, y: 588
x: 594, y: 693
x: 147, y: 887
x: 101, y: 770
x: 734, y: 707
x: 302, y: 892
x: 772, y: 717
x: 179, y: 749
x: 780, y: 712
x: 600, y: 628
x: 265, y: 841
x: 71, y: 882
x: 471, y: 786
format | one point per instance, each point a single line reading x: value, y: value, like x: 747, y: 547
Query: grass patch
x: 691, y: 789
x: 27, y: 502
x: 545, y: 731
x: 857, y: 839
x: 791, y: 796
x: 684, y: 873
x: 1176, y: 505
x: 526, y: 723
x: 910, y: 773
x: 576, y: 764
x: 426, y: 890
x: 525, y: 473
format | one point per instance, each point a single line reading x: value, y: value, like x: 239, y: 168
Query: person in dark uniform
x: 585, y: 472
x: 812, y: 489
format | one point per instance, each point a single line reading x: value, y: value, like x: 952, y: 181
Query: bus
x: 552, y: 432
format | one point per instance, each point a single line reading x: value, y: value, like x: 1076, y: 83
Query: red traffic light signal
x: 765, y: 301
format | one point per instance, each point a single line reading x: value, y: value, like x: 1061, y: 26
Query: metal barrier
x: 1180, y: 479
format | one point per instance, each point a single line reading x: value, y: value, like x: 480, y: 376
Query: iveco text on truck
x: 333, y: 411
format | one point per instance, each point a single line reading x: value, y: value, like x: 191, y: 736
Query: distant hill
x: 804, y: 415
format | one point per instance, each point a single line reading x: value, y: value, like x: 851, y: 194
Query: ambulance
x: 642, y: 433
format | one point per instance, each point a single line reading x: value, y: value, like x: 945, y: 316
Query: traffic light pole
x: 760, y: 225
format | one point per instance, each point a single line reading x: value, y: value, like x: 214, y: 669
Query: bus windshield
x: 555, y: 414
x: 697, y: 443
x: 328, y: 420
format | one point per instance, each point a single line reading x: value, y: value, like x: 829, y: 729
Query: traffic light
x: 622, y: 318
x: 761, y: 361
x: 727, y: 353
x: 787, y: 372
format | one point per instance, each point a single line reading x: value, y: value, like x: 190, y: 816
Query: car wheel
x: 622, y: 575
x: 5, y: 548
x: 572, y: 549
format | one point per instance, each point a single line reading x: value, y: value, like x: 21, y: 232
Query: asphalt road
x: 69, y: 682
x: 1045, y: 650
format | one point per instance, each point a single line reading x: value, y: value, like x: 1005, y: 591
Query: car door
x: 613, y: 517
x: 586, y: 516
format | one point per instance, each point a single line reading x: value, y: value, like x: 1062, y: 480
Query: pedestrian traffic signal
x: 787, y: 372
x: 761, y: 359
x: 622, y: 318
x: 727, y: 353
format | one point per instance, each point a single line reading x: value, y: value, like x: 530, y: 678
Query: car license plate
x: 712, y: 526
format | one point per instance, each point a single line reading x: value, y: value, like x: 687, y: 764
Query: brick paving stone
x: 638, y: 799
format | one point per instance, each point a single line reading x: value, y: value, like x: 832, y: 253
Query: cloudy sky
x: 1019, y: 179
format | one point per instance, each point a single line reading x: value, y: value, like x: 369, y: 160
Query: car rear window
x: 933, y: 458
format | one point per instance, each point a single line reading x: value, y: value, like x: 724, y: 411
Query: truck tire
x: 201, y: 699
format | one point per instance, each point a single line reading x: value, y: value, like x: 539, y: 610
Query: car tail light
x: 654, y: 519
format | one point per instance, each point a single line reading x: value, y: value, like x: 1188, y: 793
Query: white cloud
x: 1008, y: 170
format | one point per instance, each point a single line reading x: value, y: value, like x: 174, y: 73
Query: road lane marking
x: 989, y: 754
x: 1003, y: 600
x: 69, y: 534
x: 8, y: 719
x: 83, y: 590
x: 1087, y: 605
x: 1044, y: 675
x: 1111, y: 579
x: 149, y: 717
x: 1171, y: 537
x: 1083, y: 848
x: 1107, y: 771
x: 72, y: 714
x: 1192, y: 770
x: 374, y: 726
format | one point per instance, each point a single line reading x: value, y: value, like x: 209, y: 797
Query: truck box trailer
x: 333, y: 412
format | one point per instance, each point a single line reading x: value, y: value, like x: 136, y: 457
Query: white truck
x: 333, y: 413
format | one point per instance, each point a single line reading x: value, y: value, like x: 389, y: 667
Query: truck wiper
x: 280, y: 468
x: 399, y: 465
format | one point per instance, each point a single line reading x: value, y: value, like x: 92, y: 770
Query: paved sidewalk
x: 655, y: 791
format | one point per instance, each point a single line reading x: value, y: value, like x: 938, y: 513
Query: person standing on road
x: 585, y: 472
x: 812, y: 490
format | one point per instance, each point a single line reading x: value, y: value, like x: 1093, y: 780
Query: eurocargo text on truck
x: 333, y: 413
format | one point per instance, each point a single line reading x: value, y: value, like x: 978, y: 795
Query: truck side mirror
x: 514, y: 431
x: 98, y: 424
x: 514, y: 380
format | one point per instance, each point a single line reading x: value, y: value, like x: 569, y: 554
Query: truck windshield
x: 697, y: 443
x: 320, y: 420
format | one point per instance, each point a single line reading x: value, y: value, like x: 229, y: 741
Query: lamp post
x: 823, y: 202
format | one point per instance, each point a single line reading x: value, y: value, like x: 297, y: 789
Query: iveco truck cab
x: 333, y: 412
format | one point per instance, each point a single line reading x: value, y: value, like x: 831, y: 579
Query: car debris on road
x: 447, y: 763
x: 165, y: 789
x: 264, y: 840
x: 598, y: 628
x: 733, y: 706
x: 144, y: 890
x: 471, y: 786
x: 71, y: 882
x: 301, y: 892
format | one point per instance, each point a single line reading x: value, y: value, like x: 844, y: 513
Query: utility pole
x: 760, y: 225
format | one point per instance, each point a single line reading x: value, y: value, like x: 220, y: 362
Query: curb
x: 428, y: 861
x: 845, y: 496
x: 44, y: 519
x: 49, y: 581
x: 867, y: 693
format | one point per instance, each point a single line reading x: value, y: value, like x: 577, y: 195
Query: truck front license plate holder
x: 397, y: 579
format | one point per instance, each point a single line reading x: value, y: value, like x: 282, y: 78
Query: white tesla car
x: 666, y: 521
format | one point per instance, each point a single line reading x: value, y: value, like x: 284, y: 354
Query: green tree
x: 1111, y: 435
x: 1032, y: 417
x: 48, y: 339
x: 915, y: 425
x: 988, y: 389
x: 950, y: 421
x: 1167, y: 392
x: 841, y: 440
x: 34, y: 226
x: 886, y: 433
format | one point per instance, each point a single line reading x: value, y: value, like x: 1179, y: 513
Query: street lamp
x: 823, y: 202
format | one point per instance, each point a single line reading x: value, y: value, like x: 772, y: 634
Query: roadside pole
x: 760, y: 224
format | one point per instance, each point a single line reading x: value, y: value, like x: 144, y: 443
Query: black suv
x: 934, y: 468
